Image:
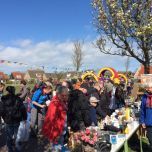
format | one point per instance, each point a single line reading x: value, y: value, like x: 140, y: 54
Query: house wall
x: 140, y: 71
x: 44, y: 77
x: 27, y: 77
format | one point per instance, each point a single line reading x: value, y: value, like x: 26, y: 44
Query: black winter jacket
x: 12, y: 109
x: 105, y: 103
x: 78, y: 110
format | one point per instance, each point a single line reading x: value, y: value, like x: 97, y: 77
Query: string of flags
x: 43, y: 67
x: 6, y: 62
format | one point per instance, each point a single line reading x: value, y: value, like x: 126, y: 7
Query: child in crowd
x: 93, y: 115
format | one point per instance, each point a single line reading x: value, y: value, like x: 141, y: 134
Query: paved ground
x: 42, y: 145
x: 33, y: 145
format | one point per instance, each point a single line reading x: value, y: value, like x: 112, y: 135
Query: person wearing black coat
x: 120, y: 96
x: 12, y: 111
x: 105, y: 102
x: 78, y: 110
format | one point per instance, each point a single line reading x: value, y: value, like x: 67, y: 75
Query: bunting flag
x: 6, y: 62
x: 2, y: 61
x: 43, y: 67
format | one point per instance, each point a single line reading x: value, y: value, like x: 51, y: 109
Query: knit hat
x: 93, y: 99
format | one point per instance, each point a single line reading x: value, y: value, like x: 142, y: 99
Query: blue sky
x: 45, y: 19
x: 41, y: 32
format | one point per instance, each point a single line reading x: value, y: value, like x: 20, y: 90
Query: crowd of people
x: 51, y: 109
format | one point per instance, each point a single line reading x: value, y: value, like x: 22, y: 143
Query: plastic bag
x: 23, y: 132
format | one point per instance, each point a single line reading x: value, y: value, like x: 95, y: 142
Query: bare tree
x: 127, y: 64
x: 59, y: 75
x: 77, y: 56
x: 127, y: 24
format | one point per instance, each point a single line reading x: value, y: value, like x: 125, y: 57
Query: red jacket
x: 55, y: 120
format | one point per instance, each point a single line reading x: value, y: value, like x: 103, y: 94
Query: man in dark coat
x: 12, y: 111
x: 78, y: 109
x: 105, y: 102
x: 120, y: 96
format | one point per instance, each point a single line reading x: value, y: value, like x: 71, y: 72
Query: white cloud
x: 1, y: 47
x: 58, y: 54
x: 22, y: 42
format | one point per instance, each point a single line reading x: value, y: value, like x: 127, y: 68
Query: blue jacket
x: 39, y: 97
x: 146, y: 112
x: 93, y: 115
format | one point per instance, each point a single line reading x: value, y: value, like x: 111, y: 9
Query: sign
x: 146, y: 79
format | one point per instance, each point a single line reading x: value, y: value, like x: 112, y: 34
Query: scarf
x: 149, y: 101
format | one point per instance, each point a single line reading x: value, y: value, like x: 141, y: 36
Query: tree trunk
x: 147, y: 68
x: 77, y: 68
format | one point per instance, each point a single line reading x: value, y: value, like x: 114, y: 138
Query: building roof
x: 3, y: 76
x: 35, y: 73
x: 6, y: 77
x: 18, y: 75
x: 140, y: 71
